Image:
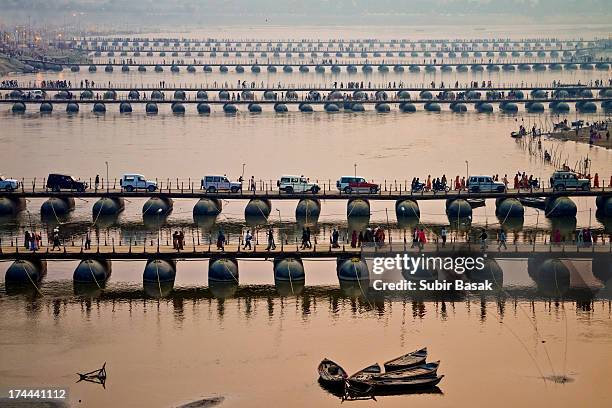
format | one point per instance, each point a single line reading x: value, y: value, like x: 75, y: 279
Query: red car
x: 350, y: 184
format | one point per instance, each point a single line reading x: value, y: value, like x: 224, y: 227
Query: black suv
x: 57, y: 182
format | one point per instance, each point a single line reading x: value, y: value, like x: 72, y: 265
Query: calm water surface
x: 256, y: 345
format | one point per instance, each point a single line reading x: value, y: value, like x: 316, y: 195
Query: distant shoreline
x: 582, y: 136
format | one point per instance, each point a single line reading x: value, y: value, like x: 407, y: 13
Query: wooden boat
x: 331, y: 374
x: 516, y: 135
x: 405, y: 385
x: 422, y: 370
x: 407, y: 360
x: 365, y: 374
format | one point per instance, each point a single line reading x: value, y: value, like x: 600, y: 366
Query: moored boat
x: 407, y: 360
x: 331, y: 374
x: 422, y: 370
x: 405, y: 385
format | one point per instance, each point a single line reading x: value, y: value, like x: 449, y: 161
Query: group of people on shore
x: 32, y: 240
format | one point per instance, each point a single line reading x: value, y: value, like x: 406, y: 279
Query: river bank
x: 582, y: 136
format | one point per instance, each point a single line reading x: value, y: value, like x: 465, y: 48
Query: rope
x: 30, y: 278
x: 94, y: 276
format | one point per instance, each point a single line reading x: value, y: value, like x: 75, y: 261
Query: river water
x: 259, y: 345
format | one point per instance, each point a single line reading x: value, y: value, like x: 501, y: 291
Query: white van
x: 484, y: 184
x: 132, y: 182
x: 296, y: 184
x: 213, y: 184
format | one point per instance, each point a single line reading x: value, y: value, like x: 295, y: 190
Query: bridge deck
x: 191, y: 190
x: 139, y: 252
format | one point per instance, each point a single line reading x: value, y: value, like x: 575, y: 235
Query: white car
x: 297, y: 184
x: 484, y: 184
x: 8, y: 184
x: 132, y: 182
x: 565, y: 180
x: 213, y: 184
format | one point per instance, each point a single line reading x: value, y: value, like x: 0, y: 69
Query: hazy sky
x: 142, y: 12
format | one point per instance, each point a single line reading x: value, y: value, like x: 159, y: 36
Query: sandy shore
x: 582, y: 136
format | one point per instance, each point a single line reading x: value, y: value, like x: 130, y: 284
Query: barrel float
x: 258, y: 208
x: 223, y: 69
x: 477, y: 68
x: 586, y: 67
x: 125, y: 107
x: 351, y: 69
x: 602, y: 66
x: 18, y: 107
x: 357, y: 107
x: 223, y: 270
x: 483, y: 107
x: 560, y: 207
x: 602, y: 269
x: 207, y: 68
x: 46, y: 107
x: 75, y: 68
x: 158, y: 277
x: 551, y: 275
x: 353, y: 269
x: 331, y: 108
x: 202, y: 95
x: 254, y: 108
x: 432, y: 107
x: 458, y: 107
x: 509, y: 208
x: 407, y: 209
x: 99, y: 107
x: 414, y: 68
x: 403, y: 95
x: 604, y: 205
x: 606, y: 93
x: 280, y: 108
x: 462, y: 68
x: 534, y: 107
x: 289, y: 270
x: 539, y: 67
x: 125, y: 68
x: 383, y: 68
x: 230, y: 108
x: 159, y: 205
x: 492, y: 67
x: 178, y: 108
x: 508, y: 67
x: 25, y: 272
x: 142, y: 68
x: 586, y: 107
x: 107, y: 206
x: 110, y: 95
x: 367, y: 69
x: 96, y: 271
x: 11, y: 205
x: 180, y: 95
x: 335, y: 69
x: 407, y: 107
x: 458, y: 208
x: 560, y: 107
x: 108, y: 68
x: 203, y: 108
x: 383, y: 108
x: 271, y: 68
x: 430, y: 68
x: 446, y: 68
x: 358, y: 207
x: 509, y: 107
x: 57, y: 206
x: 491, y: 272
x: 206, y: 207
x: 305, y: 107
x: 425, y: 95
x: 92, y: 68
x: 239, y: 69
x: 151, y: 108
x: 308, y: 210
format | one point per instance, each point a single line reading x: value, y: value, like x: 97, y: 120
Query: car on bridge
x: 563, y: 180
x: 350, y: 184
x: 297, y: 184
x: 57, y: 182
x: 212, y: 184
x: 484, y: 184
x: 134, y: 182
x: 8, y: 184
